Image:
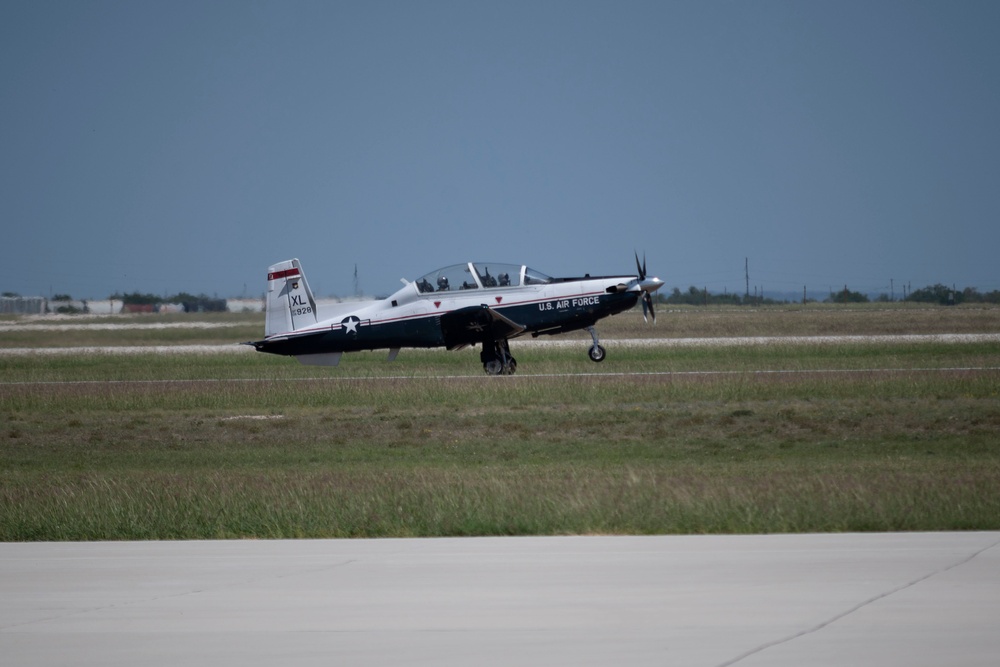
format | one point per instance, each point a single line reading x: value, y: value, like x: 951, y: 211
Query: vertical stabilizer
x: 290, y: 303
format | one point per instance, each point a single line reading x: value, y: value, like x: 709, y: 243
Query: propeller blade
x: 646, y: 286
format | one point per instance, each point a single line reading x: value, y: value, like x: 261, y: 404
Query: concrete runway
x: 785, y: 600
x: 516, y: 343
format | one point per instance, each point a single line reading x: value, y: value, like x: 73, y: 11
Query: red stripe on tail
x: 283, y: 274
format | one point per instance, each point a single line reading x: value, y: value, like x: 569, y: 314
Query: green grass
x: 748, y: 439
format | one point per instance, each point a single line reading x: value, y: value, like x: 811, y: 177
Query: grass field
x: 689, y: 439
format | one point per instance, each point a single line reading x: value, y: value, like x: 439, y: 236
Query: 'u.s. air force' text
x: 570, y: 303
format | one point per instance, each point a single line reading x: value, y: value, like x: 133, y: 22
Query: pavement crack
x: 859, y: 606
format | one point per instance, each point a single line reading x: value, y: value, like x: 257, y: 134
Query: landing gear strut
x: 497, y: 359
x: 596, y: 351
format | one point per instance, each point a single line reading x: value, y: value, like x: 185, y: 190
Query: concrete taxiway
x: 839, y: 599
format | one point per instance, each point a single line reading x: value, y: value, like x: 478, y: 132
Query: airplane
x: 476, y: 303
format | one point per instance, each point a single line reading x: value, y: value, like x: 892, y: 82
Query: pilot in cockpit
x: 443, y: 284
x: 504, y: 280
x: 488, y: 280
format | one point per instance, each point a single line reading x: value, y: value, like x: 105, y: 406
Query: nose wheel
x: 596, y: 351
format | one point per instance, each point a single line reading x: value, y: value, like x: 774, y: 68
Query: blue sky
x: 185, y: 146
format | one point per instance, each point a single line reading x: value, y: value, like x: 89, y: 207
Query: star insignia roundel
x: 350, y: 324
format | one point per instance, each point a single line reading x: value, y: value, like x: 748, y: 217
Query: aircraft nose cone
x: 651, y: 284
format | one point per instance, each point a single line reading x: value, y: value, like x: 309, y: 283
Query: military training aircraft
x: 466, y: 304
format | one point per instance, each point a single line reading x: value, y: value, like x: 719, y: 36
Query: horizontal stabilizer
x: 323, y: 359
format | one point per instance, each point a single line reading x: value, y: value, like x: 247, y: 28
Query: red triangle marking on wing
x: 437, y: 304
x: 499, y: 299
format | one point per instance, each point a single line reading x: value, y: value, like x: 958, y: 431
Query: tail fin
x: 290, y: 303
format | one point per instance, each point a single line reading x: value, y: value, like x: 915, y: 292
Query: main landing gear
x: 497, y: 359
x: 596, y: 352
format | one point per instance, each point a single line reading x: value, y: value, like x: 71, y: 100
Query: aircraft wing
x: 475, y: 324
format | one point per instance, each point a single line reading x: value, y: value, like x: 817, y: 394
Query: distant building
x: 22, y: 305
x: 245, y: 305
x: 104, y: 307
x: 66, y: 306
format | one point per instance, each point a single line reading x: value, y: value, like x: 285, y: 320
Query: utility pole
x: 357, y: 285
x: 746, y: 269
x: 892, y: 291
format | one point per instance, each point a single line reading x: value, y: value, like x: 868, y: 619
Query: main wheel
x: 511, y: 366
x: 493, y: 367
x: 596, y: 353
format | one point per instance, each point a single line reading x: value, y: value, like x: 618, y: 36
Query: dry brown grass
x: 810, y: 320
x: 676, y: 322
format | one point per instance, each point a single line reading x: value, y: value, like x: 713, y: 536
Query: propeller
x: 647, y: 286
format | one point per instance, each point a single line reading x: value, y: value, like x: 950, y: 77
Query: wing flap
x: 476, y: 324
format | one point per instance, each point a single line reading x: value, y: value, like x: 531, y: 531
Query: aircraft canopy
x: 480, y: 275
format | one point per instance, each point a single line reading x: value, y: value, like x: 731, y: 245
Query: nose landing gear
x: 596, y: 351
